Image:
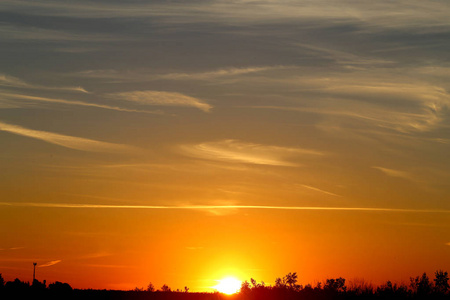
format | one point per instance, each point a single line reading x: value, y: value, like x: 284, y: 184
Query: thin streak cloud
x: 11, y: 248
x: 376, y: 16
x: 10, y: 81
x: 162, y: 99
x: 139, y: 75
x: 50, y: 263
x: 395, y: 173
x: 209, y: 207
x: 427, y: 119
x: 66, y: 140
x: 319, y: 190
x: 237, y: 151
x: 9, y: 32
x: 412, y: 107
x: 218, y: 73
x: 341, y: 57
x: 69, y: 102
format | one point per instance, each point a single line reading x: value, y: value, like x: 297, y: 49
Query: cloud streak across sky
x: 18, y: 83
x: 395, y: 173
x: 22, y: 97
x: 50, y: 263
x: 319, y: 190
x: 399, y: 14
x: 161, y: 98
x: 208, y: 75
x: 374, y: 101
x: 67, y: 141
x: 243, y: 152
x: 213, y: 207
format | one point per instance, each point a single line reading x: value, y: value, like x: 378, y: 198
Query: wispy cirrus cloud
x: 140, y: 75
x: 11, y: 248
x: 237, y: 151
x: 373, y: 100
x: 377, y: 16
x: 10, y: 81
x: 319, y: 190
x: 395, y: 173
x: 160, y: 98
x: 50, y: 263
x: 67, y: 141
x: 344, y: 58
x: 21, y: 97
x: 24, y: 32
x: 226, y: 72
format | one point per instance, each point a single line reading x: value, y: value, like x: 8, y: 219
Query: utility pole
x: 34, y: 271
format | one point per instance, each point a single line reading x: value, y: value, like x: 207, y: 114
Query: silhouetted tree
x: 414, y: 283
x: 335, y: 285
x: 60, y: 287
x: 360, y: 287
x: 441, y: 282
x: 279, y: 283
x: 390, y: 290
x: 245, y: 288
x: 186, y: 289
x: 256, y: 285
x: 150, y: 287
x: 421, y: 285
x: 308, y: 289
x: 288, y: 282
x: 38, y: 286
x: 291, y: 281
x: 2, y: 281
x: 17, y: 285
x: 165, y: 288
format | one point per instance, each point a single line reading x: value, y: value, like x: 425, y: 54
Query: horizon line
x: 205, y: 207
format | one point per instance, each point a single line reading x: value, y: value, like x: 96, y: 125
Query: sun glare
x: 229, y: 285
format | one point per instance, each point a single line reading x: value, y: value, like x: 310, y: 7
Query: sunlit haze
x: 228, y: 285
x: 185, y: 142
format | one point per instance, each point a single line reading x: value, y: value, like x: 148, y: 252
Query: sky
x: 181, y: 142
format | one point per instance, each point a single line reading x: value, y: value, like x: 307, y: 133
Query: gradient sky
x: 180, y: 142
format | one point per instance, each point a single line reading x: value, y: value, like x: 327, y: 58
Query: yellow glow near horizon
x: 229, y: 285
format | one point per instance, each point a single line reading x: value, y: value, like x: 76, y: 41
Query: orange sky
x: 181, y: 143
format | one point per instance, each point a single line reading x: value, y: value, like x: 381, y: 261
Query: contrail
x: 202, y: 207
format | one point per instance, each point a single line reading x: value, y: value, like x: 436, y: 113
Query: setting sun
x: 229, y: 285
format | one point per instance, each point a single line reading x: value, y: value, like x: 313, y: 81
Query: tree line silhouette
x: 420, y: 287
x: 285, y: 288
